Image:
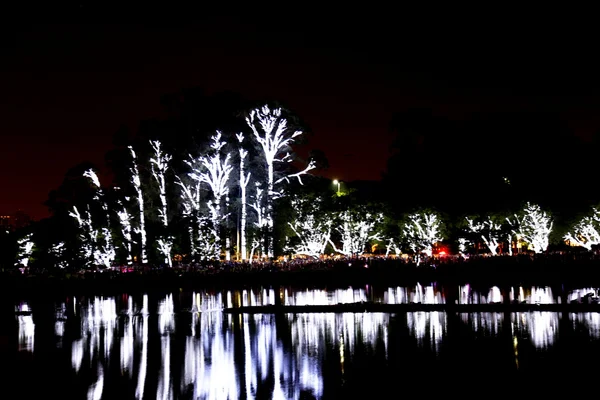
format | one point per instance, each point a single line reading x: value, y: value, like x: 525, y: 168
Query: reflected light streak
x: 426, y: 295
x: 143, y: 332
x: 578, y: 295
x: 95, y: 390
x: 26, y: 333
x: 127, y: 347
x: 166, y: 325
x: 427, y: 326
x: 59, y: 324
x: 541, y: 295
x: 485, y: 323
x: 494, y: 295
x: 542, y: 327
x: 591, y: 320
x: 313, y: 297
x: 209, y: 365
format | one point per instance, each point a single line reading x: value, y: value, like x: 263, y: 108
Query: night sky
x: 67, y: 83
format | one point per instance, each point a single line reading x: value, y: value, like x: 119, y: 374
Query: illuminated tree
x: 160, y: 166
x: 87, y: 236
x: 125, y: 223
x: 244, y: 179
x: 57, y: 251
x: 190, y: 197
x: 312, y: 231
x: 489, y: 231
x: 357, y: 228
x: 271, y: 131
x: 260, y: 222
x: 392, y: 245
x: 462, y: 247
x: 421, y: 231
x: 137, y: 185
x: 104, y: 250
x: 533, y: 226
x: 586, y: 232
x: 214, y: 170
x: 25, y: 250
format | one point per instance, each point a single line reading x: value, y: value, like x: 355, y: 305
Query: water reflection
x: 209, y: 367
x: 541, y: 327
x: 590, y: 321
x: 26, y: 327
x: 324, y: 297
x: 486, y: 323
x: 427, y: 327
x: 183, y: 345
x: 415, y: 294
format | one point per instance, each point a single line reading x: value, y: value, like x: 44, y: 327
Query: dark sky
x: 68, y: 81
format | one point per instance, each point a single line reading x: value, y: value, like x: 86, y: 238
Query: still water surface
x: 181, y: 345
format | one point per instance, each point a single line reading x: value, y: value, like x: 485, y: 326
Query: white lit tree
x: 87, y: 236
x: 462, y: 247
x: 392, y: 245
x: 137, y: 185
x: 585, y: 233
x: 57, y: 251
x: 214, y: 170
x: 244, y: 179
x: 271, y: 131
x: 104, y: 250
x: 312, y: 230
x: 533, y: 226
x: 260, y: 222
x: 489, y: 230
x: 357, y: 228
x: 125, y: 224
x: 160, y: 165
x: 25, y: 250
x: 421, y: 231
x: 190, y: 198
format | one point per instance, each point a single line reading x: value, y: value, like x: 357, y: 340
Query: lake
x: 181, y: 345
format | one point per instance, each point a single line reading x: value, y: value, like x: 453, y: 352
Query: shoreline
x: 502, y: 275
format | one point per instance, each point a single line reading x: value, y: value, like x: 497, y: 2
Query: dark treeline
x: 486, y: 164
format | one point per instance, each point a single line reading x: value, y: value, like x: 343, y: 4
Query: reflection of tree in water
x: 485, y: 323
x: 427, y: 327
x: 315, y: 297
x: 209, y: 364
x: 541, y: 327
x: 26, y: 328
x: 589, y: 320
x: 416, y: 294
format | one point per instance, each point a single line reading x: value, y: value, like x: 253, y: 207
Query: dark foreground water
x: 181, y: 345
